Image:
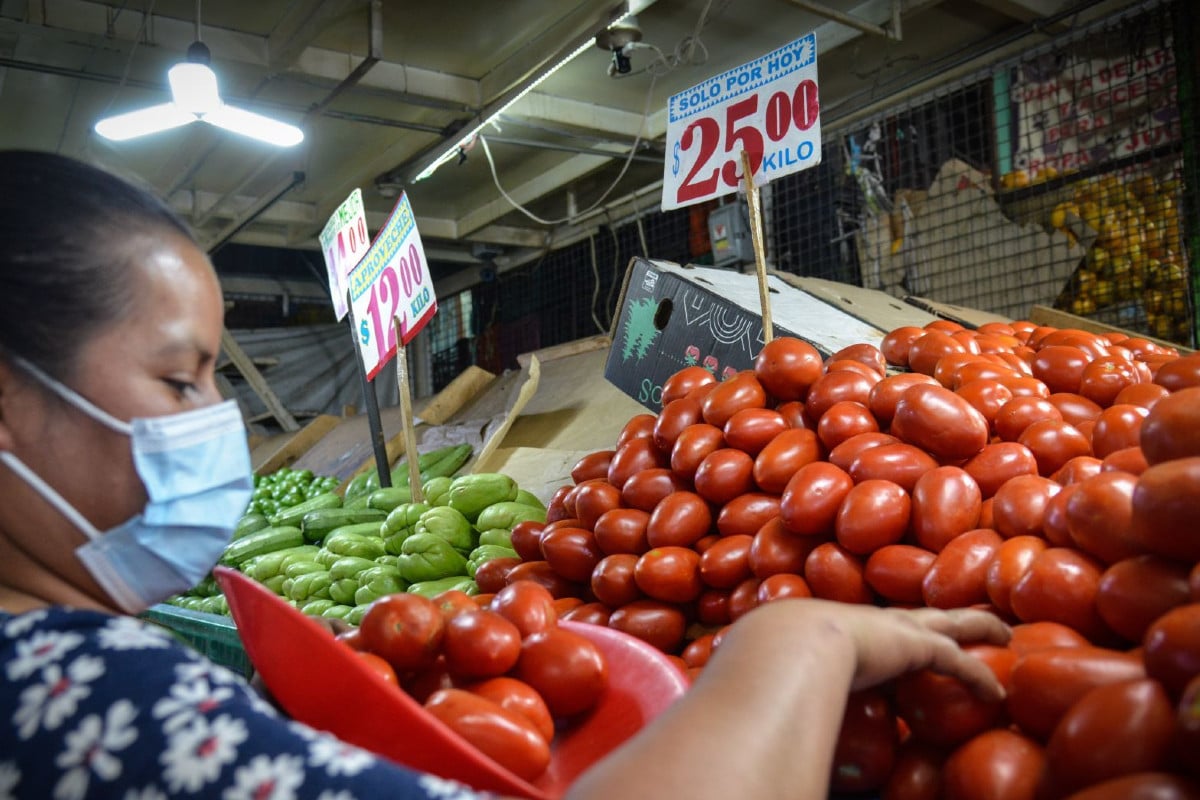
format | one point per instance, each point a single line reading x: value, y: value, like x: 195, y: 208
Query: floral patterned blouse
x: 101, y: 706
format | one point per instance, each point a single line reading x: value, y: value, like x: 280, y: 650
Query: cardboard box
x: 673, y: 316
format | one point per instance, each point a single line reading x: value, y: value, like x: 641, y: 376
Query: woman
x: 121, y: 475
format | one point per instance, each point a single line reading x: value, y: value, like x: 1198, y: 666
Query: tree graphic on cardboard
x: 640, y: 332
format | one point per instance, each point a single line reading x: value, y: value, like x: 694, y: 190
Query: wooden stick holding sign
x: 406, y: 415
x: 760, y: 254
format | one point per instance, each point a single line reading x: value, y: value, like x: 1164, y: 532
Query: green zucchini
x: 317, y: 524
x: 268, y: 540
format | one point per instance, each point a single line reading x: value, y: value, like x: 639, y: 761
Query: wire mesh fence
x: 1065, y: 177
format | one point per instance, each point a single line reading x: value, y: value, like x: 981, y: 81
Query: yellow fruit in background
x: 1090, y: 212
x: 1045, y: 174
x: 1015, y: 179
x: 1155, y: 301
x: 1083, y: 306
x: 1160, y: 325
x: 1104, y: 292
x: 1099, y: 259
x: 1144, y: 186
x: 1058, y: 217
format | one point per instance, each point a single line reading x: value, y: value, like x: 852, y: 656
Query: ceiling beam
x: 579, y: 114
x: 303, y: 21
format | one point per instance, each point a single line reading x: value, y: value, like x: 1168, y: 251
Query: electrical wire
x: 596, y: 284
x: 487, y: 151
x: 684, y: 53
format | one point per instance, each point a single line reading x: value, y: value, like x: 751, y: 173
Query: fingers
x: 949, y: 659
x: 964, y: 624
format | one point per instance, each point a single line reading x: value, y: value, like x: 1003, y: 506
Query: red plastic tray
x: 320, y: 682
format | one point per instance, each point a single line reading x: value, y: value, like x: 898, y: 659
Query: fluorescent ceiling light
x: 452, y: 152
x: 195, y: 98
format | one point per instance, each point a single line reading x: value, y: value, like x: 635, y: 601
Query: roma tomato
x: 996, y: 463
x: 780, y: 586
x: 622, y: 530
x: 1098, y: 516
x: 680, y: 519
x: 567, y: 670
x: 864, y: 353
x: 1011, y: 561
x: 946, y: 501
x: 865, y: 750
x: 492, y: 575
x: 698, y: 651
x: 942, y: 710
x: 1061, y: 585
x: 612, y: 580
x: 812, y: 497
x: 1103, y: 379
x: 1075, y: 408
x: 1166, y: 504
x: 750, y: 429
x: 850, y: 365
x: 527, y: 539
x: 1179, y: 373
x: 940, y: 422
x: 379, y: 666
x: 1060, y: 367
x: 1119, y: 427
x: 744, y: 598
x: 593, y: 465
x: 776, y: 463
x: 659, y: 624
x: 900, y: 463
x: 1112, y: 730
x: 1172, y: 648
x: 1142, y: 786
x: 1054, y: 443
x: 775, y: 550
x: 1135, y: 592
x: 747, y: 514
x: 521, y: 698
x: 507, y: 737
x: 843, y: 420
x: 1128, y: 459
x: 886, y: 394
x: 543, y: 574
x: 591, y: 613
x: 406, y: 630
x: 1020, y: 504
x: 995, y: 765
x: 986, y: 396
x: 724, y: 474
x: 527, y: 605
x: 834, y: 573
x: 639, y: 426
x: 453, y: 602
x: 958, y: 577
x: 917, y: 773
x: 1141, y: 394
x: 694, y: 443
x: 1019, y: 413
x: 731, y: 396
x: 896, y: 572
x: 727, y: 562
x: 480, y: 644
x: 593, y: 498
x: 712, y: 607
x: 926, y: 350
x: 644, y: 490
x: 845, y: 453
x: 786, y: 367
x: 1171, y: 429
x: 835, y: 387
x: 872, y: 515
x: 1054, y: 519
x: 633, y: 457
x: 1078, y: 469
x: 684, y: 381
x: 1029, y: 637
x: 896, y: 344
x: 572, y: 553
x: 675, y: 417
x: 1046, y: 683
x: 670, y: 574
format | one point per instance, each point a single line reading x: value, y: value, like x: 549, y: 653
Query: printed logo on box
x: 649, y: 280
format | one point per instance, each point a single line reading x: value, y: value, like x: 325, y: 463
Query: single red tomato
x: 845, y: 453
x: 1112, y: 730
x: 724, y: 474
x: 984, y: 369
x: 812, y: 497
x: 1061, y: 585
x: 680, y: 519
x: 1076, y: 470
x: 1103, y: 379
x: 1171, y: 428
x: 1166, y: 505
x: 675, y: 417
x: 946, y: 501
x: 727, y: 562
x: 775, y: 550
x: 644, y: 490
x: 593, y: 498
x: 591, y: 613
x: 698, y: 651
x: 1054, y: 517
x: 1011, y: 561
x: 995, y: 765
x: 750, y: 429
x: 940, y: 422
x: 1172, y: 648
x: 622, y: 530
x: 1060, y: 367
x: 786, y: 367
x: 986, y: 396
x: 1054, y: 443
x: 631, y: 458
x: 712, y: 607
x: 1029, y: 637
x: 902, y: 464
x: 958, y: 577
x: 527, y: 605
x: 1019, y: 413
x: 593, y: 465
x: 926, y: 350
x: 480, y: 644
x: 405, y: 629
x: 793, y: 414
x: 541, y: 573
x: 684, y: 382
x: 1179, y: 373
x: 835, y: 387
x: 886, y: 393
x: 659, y: 624
x: 942, y: 710
x: 519, y: 697
x: 843, y: 420
x: 1046, y: 683
x: 379, y: 666
x: 556, y: 509
x: 507, y: 737
x: 453, y: 602
x: 1075, y: 408
x: 1142, y: 786
x: 1019, y: 505
x: 572, y: 553
x: 896, y: 572
x: 694, y: 443
x: 896, y: 343
x: 566, y: 669
x: 851, y: 365
x: 996, y: 463
x: 527, y: 539
x: 916, y: 774
x: 1098, y: 516
x: 1127, y: 459
x: 781, y: 585
x: 731, y: 396
x: 865, y: 750
x: 776, y: 463
x: 834, y: 573
x: 873, y: 514
x: 670, y: 574
x: 1135, y: 592
x: 639, y: 426
x: 1141, y: 394
x: 743, y: 598
x: 612, y: 580
x: 1119, y: 427
x: 864, y: 353
x: 747, y: 514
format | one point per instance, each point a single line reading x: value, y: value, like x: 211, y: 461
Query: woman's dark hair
x: 64, y: 265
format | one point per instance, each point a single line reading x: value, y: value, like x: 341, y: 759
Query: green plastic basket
x: 213, y: 635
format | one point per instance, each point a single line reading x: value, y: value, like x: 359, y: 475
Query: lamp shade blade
x: 154, y: 119
x: 256, y: 126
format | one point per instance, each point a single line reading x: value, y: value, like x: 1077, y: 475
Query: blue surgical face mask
x: 195, y: 467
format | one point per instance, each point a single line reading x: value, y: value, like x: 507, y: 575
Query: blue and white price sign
x: 391, y: 281
x: 768, y: 107
x: 343, y: 242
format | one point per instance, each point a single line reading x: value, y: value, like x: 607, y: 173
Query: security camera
x: 621, y: 65
x: 617, y: 39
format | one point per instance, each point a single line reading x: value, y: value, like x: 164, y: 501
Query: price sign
x: 392, y: 280
x: 343, y: 242
x: 768, y: 107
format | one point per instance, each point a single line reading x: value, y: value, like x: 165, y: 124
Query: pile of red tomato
x: 498, y: 676
x: 1049, y: 475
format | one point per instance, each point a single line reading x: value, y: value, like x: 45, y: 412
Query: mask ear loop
x: 49, y: 494
x: 75, y: 399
